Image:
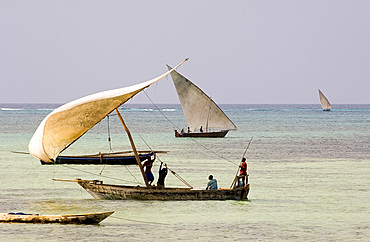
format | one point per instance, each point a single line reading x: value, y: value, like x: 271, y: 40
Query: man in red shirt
x: 243, y: 173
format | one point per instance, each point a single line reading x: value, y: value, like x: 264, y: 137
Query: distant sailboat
x: 326, y: 106
x: 201, y: 112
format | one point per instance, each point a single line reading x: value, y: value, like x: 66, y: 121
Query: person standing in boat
x: 188, y: 130
x: 148, y: 164
x: 243, y: 172
x: 162, y: 176
x: 201, y: 129
x: 212, y: 184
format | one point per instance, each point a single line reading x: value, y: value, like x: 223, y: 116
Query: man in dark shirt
x: 162, y: 176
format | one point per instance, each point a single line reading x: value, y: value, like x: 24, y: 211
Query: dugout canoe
x: 99, y: 190
x: 89, y: 218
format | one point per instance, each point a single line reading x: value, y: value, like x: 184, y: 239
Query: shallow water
x: 309, y: 174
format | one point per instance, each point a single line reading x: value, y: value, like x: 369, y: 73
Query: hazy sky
x: 245, y: 52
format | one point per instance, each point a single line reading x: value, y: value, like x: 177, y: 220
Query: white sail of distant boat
x: 200, y: 111
x: 326, y: 106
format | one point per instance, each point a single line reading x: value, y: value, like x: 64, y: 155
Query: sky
x: 240, y: 52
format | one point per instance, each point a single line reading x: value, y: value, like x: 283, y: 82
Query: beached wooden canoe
x: 90, y: 218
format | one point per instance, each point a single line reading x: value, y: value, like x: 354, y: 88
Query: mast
x: 236, y: 176
x: 133, y: 148
x: 209, y: 112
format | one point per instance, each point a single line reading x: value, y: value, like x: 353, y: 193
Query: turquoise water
x: 309, y: 175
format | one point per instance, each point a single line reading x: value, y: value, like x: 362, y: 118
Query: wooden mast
x: 236, y: 176
x: 133, y: 148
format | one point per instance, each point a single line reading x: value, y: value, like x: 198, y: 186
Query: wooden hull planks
x: 101, y: 159
x: 119, y: 192
x: 217, y: 134
x: 90, y: 218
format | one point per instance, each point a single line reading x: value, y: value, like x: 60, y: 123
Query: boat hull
x: 100, y: 159
x: 119, y: 192
x: 217, y: 134
x: 91, y: 218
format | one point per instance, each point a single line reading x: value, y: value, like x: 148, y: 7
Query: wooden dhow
x: 325, y: 104
x: 81, y: 115
x: 115, y: 192
x: 205, y: 119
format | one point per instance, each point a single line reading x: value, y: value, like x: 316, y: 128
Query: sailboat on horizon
x: 205, y: 119
x: 325, y: 104
x: 70, y: 121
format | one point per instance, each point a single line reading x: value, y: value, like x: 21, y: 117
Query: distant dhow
x: 205, y: 119
x: 325, y: 104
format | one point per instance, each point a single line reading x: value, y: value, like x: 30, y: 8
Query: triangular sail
x: 324, y: 101
x: 69, y: 122
x: 199, y: 109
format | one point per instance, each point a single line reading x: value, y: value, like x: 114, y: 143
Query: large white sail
x: 69, y: 122
x: 199, y: 109
x: 324, y: 101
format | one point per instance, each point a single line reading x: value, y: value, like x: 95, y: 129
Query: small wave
x: 259, y: 110
x: 27, y: 109
x: 43, y: 109
x: 149, y: 109
x: 137, y: 109
x: 11, y: 109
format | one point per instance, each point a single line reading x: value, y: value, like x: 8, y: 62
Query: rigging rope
x: 111, y: 150
x: 109, y: 139
x: 92, y: 173
x: 132, y: 174
x: 139, y: 221
x: 173, y: 172
x: 180, y: 178
x: 109, y: 142
x: 102, y: 170
x: 193, y: 139
x: 142, y: 138
x: 160, y: 110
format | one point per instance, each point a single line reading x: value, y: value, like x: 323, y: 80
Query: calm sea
x: 309, y: 175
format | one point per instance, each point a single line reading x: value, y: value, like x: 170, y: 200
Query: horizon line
x: 56, y: 103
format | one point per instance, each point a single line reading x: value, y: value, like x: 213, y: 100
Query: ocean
x: 309, y: 173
